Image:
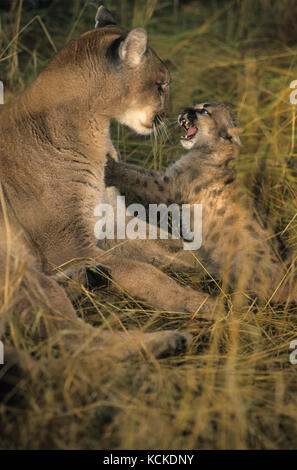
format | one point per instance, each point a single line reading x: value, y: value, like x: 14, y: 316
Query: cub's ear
x: 134, y: 46
x: 103, y: 17
x: 229, y: 125
x: 233, y: 135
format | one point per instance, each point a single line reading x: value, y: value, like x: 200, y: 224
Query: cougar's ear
x: 103, y: 17
x: 133, y: 47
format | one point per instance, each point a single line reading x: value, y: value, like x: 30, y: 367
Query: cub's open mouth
x: 191, y: 130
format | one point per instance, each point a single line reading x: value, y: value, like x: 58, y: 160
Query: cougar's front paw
x: 180, y: 342
x: 169, y: 343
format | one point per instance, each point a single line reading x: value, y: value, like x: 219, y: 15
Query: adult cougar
x: 53, y: 144
x: 235, y: 243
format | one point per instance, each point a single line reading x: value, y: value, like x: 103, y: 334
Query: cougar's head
x: 131, y: 77
x: 208, y: 123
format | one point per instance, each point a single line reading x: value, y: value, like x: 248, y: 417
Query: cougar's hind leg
x: 75, y: 332
x: 42, y: 310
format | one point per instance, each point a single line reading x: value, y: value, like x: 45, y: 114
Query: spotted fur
x: 236, y: 246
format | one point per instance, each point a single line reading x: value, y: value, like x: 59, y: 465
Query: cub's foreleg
x: 151, y: 186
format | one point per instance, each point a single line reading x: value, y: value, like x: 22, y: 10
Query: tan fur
x: 235, y: 246
x: 54, y: 141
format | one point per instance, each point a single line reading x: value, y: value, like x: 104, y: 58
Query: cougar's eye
x: 160, y: 86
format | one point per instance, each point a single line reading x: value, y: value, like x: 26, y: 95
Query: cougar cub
x: 236, y: 246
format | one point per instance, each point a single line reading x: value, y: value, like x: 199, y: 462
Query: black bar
x: 140, y: 458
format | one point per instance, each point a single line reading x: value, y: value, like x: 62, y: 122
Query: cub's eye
x: 203, y: 111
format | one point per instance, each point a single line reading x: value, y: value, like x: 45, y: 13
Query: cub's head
x: 208, y: 124
x: 131, y: 82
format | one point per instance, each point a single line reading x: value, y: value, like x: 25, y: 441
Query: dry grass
x: 235, y: 388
